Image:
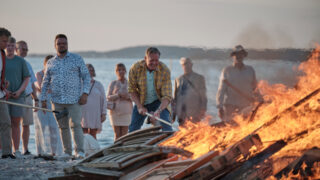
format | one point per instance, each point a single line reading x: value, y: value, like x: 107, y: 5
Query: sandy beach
x: 29, y: 167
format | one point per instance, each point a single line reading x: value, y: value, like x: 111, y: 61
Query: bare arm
x: 39, y: 81
x: 220, y: 94
x: 110, y: 95
x: 136, y: 99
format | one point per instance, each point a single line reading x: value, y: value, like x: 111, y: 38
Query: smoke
x: 315, y: 39
x: 257, y: 37
x: 254, y: 36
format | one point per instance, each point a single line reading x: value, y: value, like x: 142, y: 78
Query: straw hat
x: 239, y: 49
x: 185, y: 60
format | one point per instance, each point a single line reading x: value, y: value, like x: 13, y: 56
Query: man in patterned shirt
x: 150, y: 89
x: 69, y: 80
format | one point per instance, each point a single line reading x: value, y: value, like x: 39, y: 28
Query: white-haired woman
x: 94, y: 111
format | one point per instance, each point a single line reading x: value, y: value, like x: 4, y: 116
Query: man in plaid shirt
x: 150, y: 89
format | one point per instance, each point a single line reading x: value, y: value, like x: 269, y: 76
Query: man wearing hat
x: 237, y: 87
x: 190, y: 99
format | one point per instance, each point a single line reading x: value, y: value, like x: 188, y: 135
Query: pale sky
x: 103, y: 25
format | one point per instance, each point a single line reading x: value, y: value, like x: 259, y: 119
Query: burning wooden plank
x: 307, y: 159
x: 245, y: 171
x: 227, y: 160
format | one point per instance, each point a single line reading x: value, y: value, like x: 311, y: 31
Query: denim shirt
x: 68, y: 78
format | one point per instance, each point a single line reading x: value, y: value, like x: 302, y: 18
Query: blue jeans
x: 138, y: 119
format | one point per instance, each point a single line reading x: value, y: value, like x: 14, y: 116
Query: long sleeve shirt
x: 189, y: 95
x: 138, y: 81
x: 243, y: 79
x: 68, y: 78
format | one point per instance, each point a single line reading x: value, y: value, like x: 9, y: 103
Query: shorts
x: 16, y: 111
x: 27, y: 118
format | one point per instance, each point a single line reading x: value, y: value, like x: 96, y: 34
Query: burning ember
x: 297, y: 125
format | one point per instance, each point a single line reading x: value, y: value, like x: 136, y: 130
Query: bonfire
x: 277, y: 119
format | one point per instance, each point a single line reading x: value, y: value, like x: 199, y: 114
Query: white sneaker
x: 17, y: 154
x: 80, y: 155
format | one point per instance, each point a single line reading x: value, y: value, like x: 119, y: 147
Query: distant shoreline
x: 176, y: 52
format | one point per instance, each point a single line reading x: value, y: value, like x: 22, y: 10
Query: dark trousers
x: 138, y: 119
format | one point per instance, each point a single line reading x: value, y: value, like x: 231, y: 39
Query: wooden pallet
x: 129, y: 153
x: 227, y: 160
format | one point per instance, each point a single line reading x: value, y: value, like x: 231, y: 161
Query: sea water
x: 274, y: 71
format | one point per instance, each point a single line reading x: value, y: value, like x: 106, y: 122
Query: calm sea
x: 274, y: 71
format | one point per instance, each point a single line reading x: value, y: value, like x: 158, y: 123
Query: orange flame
x: 315, y: 173
x: 201, y: 138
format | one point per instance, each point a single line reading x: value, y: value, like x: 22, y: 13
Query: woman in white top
x: 94, y: 111
x: 120, y: 115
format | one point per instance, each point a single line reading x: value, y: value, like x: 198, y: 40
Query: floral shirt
x: 138, y: 81
x: 68, y: 78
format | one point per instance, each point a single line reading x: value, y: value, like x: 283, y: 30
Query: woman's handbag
x: 111, y: 105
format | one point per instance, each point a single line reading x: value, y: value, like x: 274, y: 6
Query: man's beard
x: 63, y: 51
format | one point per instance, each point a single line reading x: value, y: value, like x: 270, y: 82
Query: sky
x: 104, y: 25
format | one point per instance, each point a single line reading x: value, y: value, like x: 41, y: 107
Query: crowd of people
x: 67, y: 85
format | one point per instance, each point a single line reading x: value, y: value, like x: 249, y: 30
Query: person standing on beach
x: 18, y: 75
x: 46, y: 123
x: 27, y: 118
x: 69, y: 80
x: 5, y: 121
x: 190, y: 99
x: 237, y: 88
x: 150, y: 89
x: 120, y: 113
x: 94, y: 112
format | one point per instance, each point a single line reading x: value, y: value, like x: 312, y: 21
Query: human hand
x: 202, y: 113
x: 157, y: 113
x: 152, y: 120
x: 221, y: 113
x: 103, y: 118
x: 44, y: 105
x: 83, y: 99
x: 36, y: 104
x: 16, y: 94
x: 8, y: 93
x: 173, y: 118
x: 142, y: 110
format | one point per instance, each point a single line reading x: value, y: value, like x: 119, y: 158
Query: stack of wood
x: 128, y: 153
x: 138, y: 156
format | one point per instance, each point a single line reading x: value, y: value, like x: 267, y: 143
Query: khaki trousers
x: 74, y: 121
x: 5, y: 129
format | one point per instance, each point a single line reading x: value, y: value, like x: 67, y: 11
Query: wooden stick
x: 157, y: 118
x: 250, y: 99
x: 199, y: 162
x: 254, y: 112
x: 27, y: 106
x: 158, y: 166
x: 298, y: 103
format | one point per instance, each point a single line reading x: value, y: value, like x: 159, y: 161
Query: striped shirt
x: 68, y: 78
x: 138, y: 81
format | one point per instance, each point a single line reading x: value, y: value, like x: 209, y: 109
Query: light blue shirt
x: 151, y: 91
x: 33, y: 79
x: 68, y: 78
